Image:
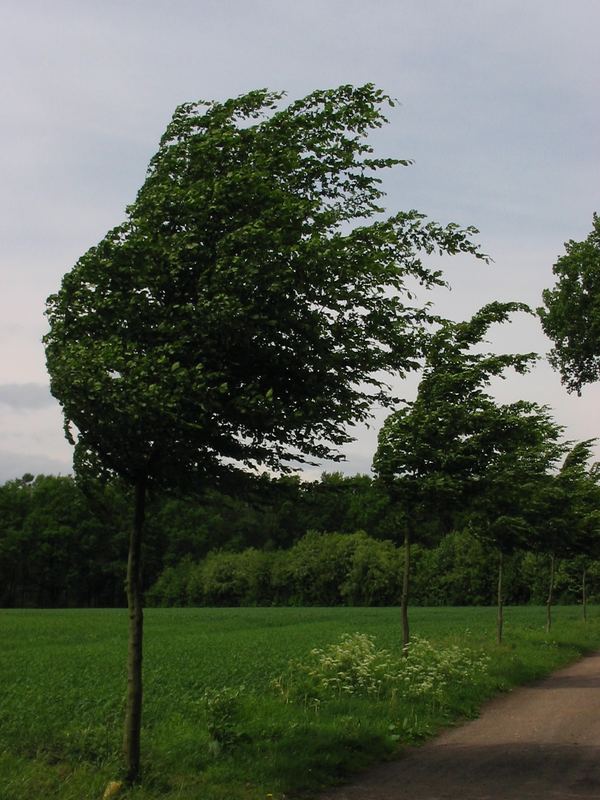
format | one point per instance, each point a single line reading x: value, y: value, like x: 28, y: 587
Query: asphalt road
x: 540, y: 741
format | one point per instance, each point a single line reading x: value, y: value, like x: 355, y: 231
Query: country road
x: 540, y: 741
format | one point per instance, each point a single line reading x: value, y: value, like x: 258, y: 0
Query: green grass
x: 62, y: 692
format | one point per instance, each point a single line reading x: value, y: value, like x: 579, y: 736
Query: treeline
x: 356, y: 570
x: 64, y: 544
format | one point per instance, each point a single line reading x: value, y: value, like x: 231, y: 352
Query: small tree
x: 240, y: 316
x: 586, y: 490
x: 432, y: 453
x: 588, y: 545
x: 568, y: 514
x: 504, y: 505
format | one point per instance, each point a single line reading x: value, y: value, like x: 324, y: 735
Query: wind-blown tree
x: 243, y: 313
x: 432, y: 452
x: 504, y: 504
x: 570, y: 316
x: 588, y: 544
x: 567, y: 514
x: 571, y: 312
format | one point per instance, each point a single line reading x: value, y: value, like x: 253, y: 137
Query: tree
x: 433, y: 452
x: 54, y: 550
x: 504, y: 508
x: 15, y: 506
x: 588, y: 545
x: 568, y: 514
x: 571, y: 312
x: 345, y: 504
x: 240, y: 317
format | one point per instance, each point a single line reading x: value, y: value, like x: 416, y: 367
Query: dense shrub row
x: 65, y: 544
x: 62, y: 546
x: 355, y: 569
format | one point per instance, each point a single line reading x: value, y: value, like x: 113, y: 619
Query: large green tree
x: 243, y: 313
x: 433, y: 452
x: 571, y: 312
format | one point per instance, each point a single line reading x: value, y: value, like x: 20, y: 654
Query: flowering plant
x: 355, y: 665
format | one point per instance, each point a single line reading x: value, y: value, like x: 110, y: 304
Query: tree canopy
x: 571, y: 312
x: 431, y: 451
x: 241, y: 313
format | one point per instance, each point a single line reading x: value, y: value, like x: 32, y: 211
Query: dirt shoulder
x: 540, y: 741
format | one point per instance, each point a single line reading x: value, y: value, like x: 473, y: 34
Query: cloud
x: 25, y: 396
x: 14, y: 465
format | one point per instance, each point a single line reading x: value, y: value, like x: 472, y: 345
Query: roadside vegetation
x: 243, y: 703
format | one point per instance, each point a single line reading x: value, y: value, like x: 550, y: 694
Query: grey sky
x: 25, y: 396
x: 500, y: 110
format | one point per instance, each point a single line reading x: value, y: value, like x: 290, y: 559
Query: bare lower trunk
x: 133, y: 713
x: 550, y: 594
x: 584, y: 594
x: 500, y: 620
x: 405, y: 589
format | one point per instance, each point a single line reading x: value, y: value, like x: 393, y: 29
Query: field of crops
x: 62, y: 695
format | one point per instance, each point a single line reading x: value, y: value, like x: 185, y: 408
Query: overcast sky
x: 500, y: 110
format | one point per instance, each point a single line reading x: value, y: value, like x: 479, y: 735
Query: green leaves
x: 437, y: 452
x: 570, y: 315
x: 248, y: 302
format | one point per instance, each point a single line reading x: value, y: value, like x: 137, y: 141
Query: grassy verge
x: 214, y: 726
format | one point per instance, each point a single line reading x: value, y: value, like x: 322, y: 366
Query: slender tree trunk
x: 550, y: 593
x: 133, y: 713
x: 405, y: 589
x: 584, y: 594
x: 500, y: 621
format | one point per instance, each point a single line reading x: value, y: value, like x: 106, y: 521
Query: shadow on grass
x: 310, y: 758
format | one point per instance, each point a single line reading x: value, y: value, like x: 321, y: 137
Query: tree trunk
x: 500, y: 621
x: 584, y: 594
x: 550, y: 593
x: 405, y: 588
x: 133, y: 713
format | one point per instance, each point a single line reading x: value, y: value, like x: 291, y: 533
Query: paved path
x: 541, y: 741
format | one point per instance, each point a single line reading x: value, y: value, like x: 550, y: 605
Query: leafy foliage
x: 234, y: 315
x: 506, y: 507
x: 222, y: 717
x: 432, y: 453
x: 62, y: 547
x: 459, y: 571
x: 55, y: 550
x: 571, y: 312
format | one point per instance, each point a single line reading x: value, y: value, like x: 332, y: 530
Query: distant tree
x: 568, y: 514
x: 504, y: 508
x: 15, y: 507
x: 345, y: 503
x: 54, y: 548
x: 588, y: 500
x: 571, y: 312
x: 240, y: 317
x: 433, y: 452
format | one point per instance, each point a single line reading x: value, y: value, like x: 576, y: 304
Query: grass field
x: 62, y: 692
